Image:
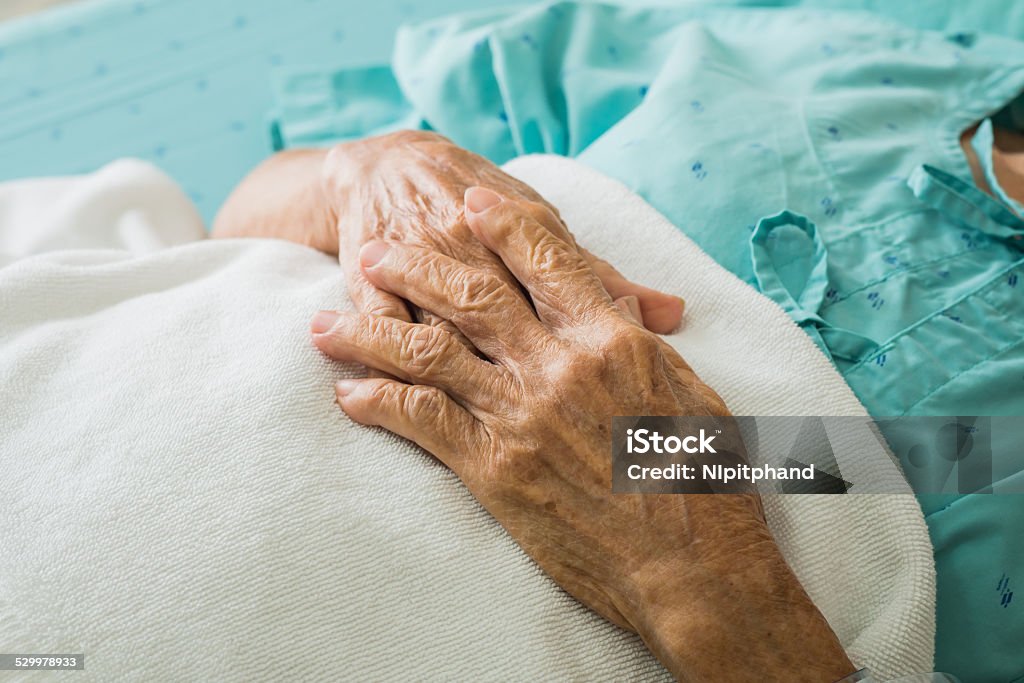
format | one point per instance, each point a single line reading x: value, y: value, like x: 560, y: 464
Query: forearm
x: 751, y: 621
x: 282, y: 198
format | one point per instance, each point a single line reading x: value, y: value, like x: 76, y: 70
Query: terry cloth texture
x: 182, y: 499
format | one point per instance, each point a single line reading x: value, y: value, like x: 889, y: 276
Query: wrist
x: 745, y: 618
x: 284, y: 198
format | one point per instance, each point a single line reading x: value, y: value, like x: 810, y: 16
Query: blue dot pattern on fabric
x: 828, y: 207
x: 140, y: 62
x: 186, y: 102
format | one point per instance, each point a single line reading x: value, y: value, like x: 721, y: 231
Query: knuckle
x: 382, y: 309
x: 541, y: 212
x: 624, y: 345
x: 550, y: 253
x: 479, y: 290
x: 631, y: 341
x: 419, y: 265
x: 421, y: 403
x: 376, y: 329
x: 547, y: 252
x: 372, y: 302
x: 567, y: 369
x: 424, y: 350
x: 379, y: 396
x: 504, y: 221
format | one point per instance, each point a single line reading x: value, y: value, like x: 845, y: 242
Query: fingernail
x: 323, y: 321
x: 479, y: 199
x: 372, y: 253
x: 344, y: 387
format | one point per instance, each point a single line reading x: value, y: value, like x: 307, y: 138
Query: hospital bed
x: 188, y: 85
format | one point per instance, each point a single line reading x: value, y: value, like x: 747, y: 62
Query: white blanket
x: 181, y: 499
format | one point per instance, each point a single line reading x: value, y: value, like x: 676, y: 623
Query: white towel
x: 180, y: 498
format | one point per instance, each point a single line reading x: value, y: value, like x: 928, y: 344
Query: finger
x: 546, y: 215
x: 662, y: 313
x: 424, y: 415
x: 495, y: 318
x: 563, y: 286
x: 428, y: 318
x: 415, y: 353
x: 372, y: 301
x: 631, y: 308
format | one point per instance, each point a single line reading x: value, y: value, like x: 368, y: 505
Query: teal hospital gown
x: 815, y: 155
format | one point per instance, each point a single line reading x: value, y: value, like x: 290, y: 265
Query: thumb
x: 661, y: 313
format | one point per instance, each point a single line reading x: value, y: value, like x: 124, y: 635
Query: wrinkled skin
x: 408, y: 187
x: 527, y: 429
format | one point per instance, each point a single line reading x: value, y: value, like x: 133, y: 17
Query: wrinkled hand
x: 528, y: 431
x: 408, y: 187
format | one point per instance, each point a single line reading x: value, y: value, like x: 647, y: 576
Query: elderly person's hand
x: 528, y: 431
x: 407, y: 187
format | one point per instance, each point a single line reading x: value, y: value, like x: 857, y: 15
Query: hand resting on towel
x: 698, y: 577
